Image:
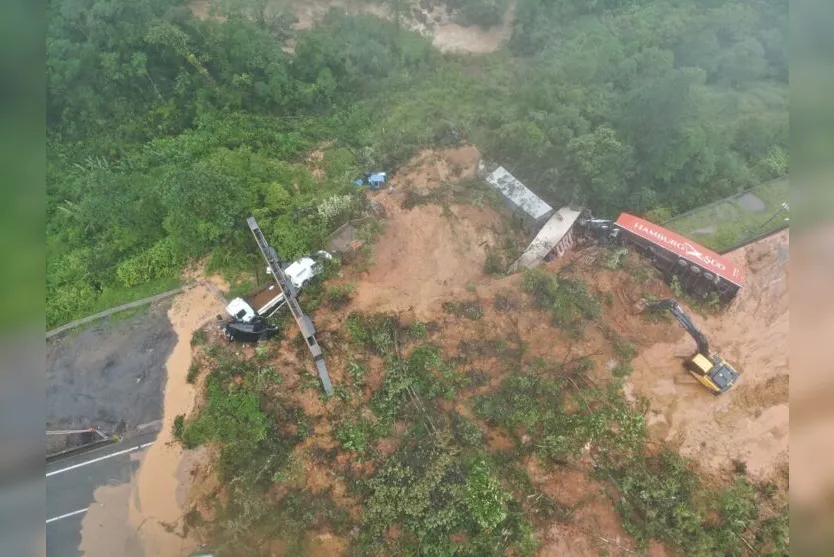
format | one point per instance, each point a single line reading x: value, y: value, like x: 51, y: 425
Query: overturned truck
x: 698, y: 270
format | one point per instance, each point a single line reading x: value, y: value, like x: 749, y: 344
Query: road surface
x: 71, y: 482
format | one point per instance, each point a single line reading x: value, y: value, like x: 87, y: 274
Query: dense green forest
x: 165, y: 131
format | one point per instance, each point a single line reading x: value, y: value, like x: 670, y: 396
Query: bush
x: 417, y: 330
x: 356, y: 435
x: 622, y: 370
x: 433, y: 495
x: 199, y: 338
x: 340, y: 295
x: 504, y: 303
x: 178, y: 427
x: 625, y: 350
x: 375, y: 332
x: 567, y: 300
x: 493, y: 265
x: 193, y: 372
x: 471, y: 310
x: 484, y: 496
x: 159, y: 261
x: 483, y: 13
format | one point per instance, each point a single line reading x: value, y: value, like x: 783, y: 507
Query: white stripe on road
x: 73, y: 513
x: 99, y: 459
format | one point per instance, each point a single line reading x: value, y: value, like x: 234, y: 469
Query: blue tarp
x: 374, y: 180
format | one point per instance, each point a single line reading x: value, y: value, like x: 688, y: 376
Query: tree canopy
x: 166, y: 130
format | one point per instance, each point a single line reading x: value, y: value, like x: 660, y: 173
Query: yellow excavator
x: 710, y: 369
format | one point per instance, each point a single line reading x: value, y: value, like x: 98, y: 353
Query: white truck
x: 266, y: 301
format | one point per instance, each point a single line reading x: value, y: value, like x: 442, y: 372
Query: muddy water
x: 105, y: 528
x: 750, y: 422
x: 145, y: 517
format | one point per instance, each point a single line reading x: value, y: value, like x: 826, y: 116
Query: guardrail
x: 134, y: 305
x: 754, y: 239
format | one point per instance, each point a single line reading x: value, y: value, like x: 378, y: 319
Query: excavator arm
x: 709, y: 369
x: 674, y: 307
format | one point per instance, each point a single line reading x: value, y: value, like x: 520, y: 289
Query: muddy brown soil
x: 435, y: 252
x: 148, y: 513
x: 812, y: 383
x: 749, y: 423
x: 435, y: 23
x: 427, y: 254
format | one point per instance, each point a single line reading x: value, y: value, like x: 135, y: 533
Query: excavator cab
x: 716, y: 374
x: 710, y: 369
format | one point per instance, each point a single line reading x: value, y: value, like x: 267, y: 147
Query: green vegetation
x: 199, y: 338
x: 193, y: 371
x: 437, y: 490
x: 662, y: 498
x: 471, y: 309
x: 567, y: 300
x: 166, y: 131
x: 725, y: 224
x: 339, y: 296
x: 483, y: 13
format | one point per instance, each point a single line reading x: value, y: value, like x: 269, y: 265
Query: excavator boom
x: 674, y: 307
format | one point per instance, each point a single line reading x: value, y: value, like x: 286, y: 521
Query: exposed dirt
x: 749, y: 423
x: 593, y: 527
x: 451, y: 37
x: 433, y: 253
x: 427, y: 254
x: 812, y: 384
x: 162, y: 480
x: 430, y: 19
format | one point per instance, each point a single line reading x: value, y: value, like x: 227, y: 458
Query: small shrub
x: 471, y: 309
x: 625, y: 350
x: 368, y: 233
x: 504, y: 303
x: 193, y: 372
x: 493, y: 264
x: 179, y: 427
x: 676, y: 288
x: 355, y: 435
x: 417, y: 330
x: 357, y: 371
x: 199, y: 338
x: 643, y: 273
x: 567, y: 300
x: 375, y: 332
x: 622, y: 370
x: 413, y: 198
x: 340, y: 295
x: 484, y: 496
x: 614, y: 258
x: 467, y: 433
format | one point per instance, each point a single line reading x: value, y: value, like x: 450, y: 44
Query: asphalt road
x: 71, y: 482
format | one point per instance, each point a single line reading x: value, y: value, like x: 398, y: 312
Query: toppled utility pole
x: 308, y: 330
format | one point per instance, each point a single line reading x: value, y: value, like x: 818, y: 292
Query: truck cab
x: 301, y: 272
x: 267, y: 300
